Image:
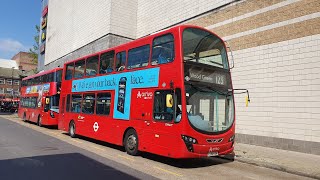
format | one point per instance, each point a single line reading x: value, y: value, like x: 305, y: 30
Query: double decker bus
x: 169, y: 93
x: 40, y: 96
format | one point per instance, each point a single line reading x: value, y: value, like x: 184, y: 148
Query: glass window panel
x: 138, y: 57
x: 79, y: 69
x: 76, y: 103
x: 103, y: 103
x: 88, y: 103
x: 163, y: 49
x: 106, y: 62
x: 92, y: 66
x: 120, y: 61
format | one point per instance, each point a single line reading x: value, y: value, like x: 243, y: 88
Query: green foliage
x: 34, y: 51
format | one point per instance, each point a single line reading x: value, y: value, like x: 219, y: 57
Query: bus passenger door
x: 165, y: 132
x: 141, y: 111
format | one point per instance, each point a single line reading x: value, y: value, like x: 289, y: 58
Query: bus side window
x: 120, y: 61
x: 76, y: 103
x: 79, y: 69
x: 103, y: 103
x: 162, y: 111
x: 69, y: 71
x: 88, y: 103
x: 138, y: 57
x: 92, y: 66
x: 106, y: 62
x: 163, y: 49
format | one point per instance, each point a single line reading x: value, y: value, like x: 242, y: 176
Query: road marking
x: 77, y: 141
x: 167, y: 171
x: 125, y: 157
x: 99, y: 148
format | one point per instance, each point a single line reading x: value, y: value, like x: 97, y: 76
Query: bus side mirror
x: 169, y: 101
x: 46, y: 106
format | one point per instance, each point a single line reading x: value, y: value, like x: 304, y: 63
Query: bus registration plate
x: 211, y: 154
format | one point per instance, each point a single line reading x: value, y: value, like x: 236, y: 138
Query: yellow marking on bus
x: 125, y: 157
x: 167, y: 171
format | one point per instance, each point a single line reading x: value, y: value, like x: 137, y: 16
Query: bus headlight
x: 189, y: 141
x: 52, y: 114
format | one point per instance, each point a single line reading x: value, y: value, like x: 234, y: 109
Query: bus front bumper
x: 210, y: 150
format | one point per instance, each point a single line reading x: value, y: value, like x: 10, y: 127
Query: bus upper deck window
x: 162, y: 49
x: 120, y: 61
x: 79, y: 69
x: 92, y: 66
x: 106, y: 62
x: 69, y: 71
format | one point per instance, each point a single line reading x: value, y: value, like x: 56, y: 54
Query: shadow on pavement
x: 180, y: 163
x: 59, y: 166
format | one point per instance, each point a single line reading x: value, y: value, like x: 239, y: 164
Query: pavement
x: 283, y: 160
x: 296, y: 163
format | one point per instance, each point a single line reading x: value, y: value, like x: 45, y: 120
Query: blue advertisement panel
x: 122, y: 83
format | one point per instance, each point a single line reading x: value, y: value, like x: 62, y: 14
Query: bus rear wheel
x: 39, y: 121
x: 131, y: 142
x: 72, y: 129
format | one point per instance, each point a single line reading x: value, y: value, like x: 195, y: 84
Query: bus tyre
x: 72, y: 129
x: 39, y: 121
x: 131, y: 142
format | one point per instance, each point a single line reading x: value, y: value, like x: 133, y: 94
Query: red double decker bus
x: 168, y: 93
x: 40, y: 96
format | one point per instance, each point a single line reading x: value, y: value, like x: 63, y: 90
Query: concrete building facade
x: 275, y: 45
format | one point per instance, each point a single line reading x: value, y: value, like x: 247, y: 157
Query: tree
x: 34, y: 51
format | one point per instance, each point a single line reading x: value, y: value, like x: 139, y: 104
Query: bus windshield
x: 209, y: 110
x: 203, y: 47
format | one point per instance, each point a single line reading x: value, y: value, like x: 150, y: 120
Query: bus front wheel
x: 72, y: 129
x: 131, y: 142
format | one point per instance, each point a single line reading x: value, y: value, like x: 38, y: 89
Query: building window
x: 16, y: 82
x: 9, y: 90
x: 1, y: 90
x: 2, y: 81
x: 9, y: 81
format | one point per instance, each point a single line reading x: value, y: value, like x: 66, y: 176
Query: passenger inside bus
x: 104, y: 68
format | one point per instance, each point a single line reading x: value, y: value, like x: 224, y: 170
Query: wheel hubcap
x: 132, y: 142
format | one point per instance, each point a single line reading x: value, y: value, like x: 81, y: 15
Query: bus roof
x: 42, y: 73
x: 133, y: 43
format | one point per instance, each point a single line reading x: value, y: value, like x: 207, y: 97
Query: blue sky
x: 17, y: 25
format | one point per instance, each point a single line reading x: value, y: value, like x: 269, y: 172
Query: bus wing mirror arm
x: 242, y: 91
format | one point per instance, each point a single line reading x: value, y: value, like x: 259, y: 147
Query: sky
x: 18, y: 19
